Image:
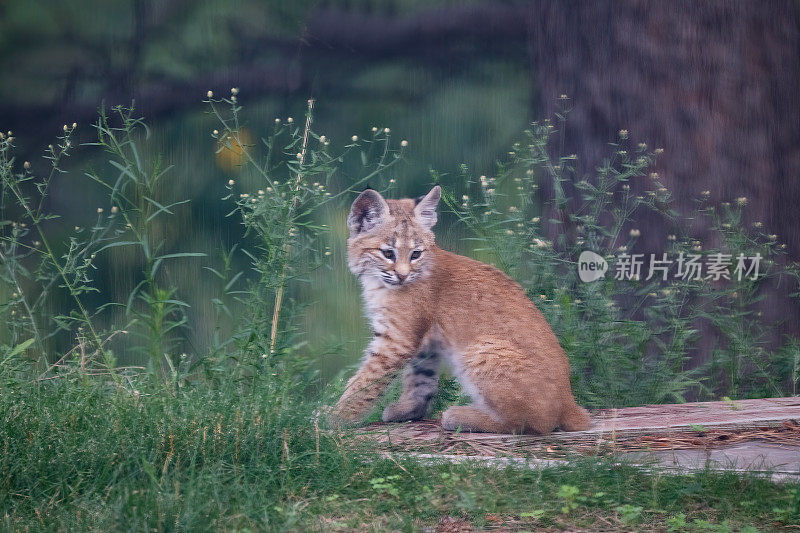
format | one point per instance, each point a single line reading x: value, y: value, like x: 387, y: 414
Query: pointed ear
x: 366, y: 212
x: 426, y: 207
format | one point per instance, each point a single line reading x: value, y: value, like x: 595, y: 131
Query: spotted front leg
x: 420, y: 382
x: 384, y: 358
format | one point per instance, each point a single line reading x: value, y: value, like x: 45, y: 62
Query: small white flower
x: 290, y: 120
x: 404, y: 143
x: 215, y: 133
x: 328, y: 252
x: 535, y: 220
x: 742, y: 201
x: 299, y: 155
x: 231, y: 182
x: 99, y: 210
x: 233, y: 99
x: 260, y: 192
x: 386, y: 130
x: 74, y: 125
x: 465, y: 197
x: 623, y: 134
x: 671, y: 237
x: 510, y: 231
x: 27, y: 165
x: 235, y: 91
x: 210, y: 94
x: 114, y: 210
x: 391, y: 180
x: 66, y: 128
x: 354, y: 138
x: 635, y: 233
x: 277, y: 121
x: 659, y: 151
x: 323, y: 139
x: 374, y: 129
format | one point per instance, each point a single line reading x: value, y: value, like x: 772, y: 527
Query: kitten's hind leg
x: 420, y: 381
x: 471, y: 418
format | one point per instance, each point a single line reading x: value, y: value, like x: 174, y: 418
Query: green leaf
x: 124, y: 170
x: 18, y: 349
x: 119, y: 243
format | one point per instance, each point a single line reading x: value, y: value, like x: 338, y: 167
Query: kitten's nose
x: 400, y: 277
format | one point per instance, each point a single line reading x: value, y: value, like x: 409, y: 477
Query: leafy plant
x: 630, y: 339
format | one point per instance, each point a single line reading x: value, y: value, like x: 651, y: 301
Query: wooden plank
x: 745, y: 436
x: 716, y: 415
x: 629, y: 421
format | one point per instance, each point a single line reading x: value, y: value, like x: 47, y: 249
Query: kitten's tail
x: 575, y: 418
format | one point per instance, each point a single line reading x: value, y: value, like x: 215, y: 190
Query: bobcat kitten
x: 426, y: 304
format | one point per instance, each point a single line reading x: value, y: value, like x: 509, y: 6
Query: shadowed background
x: 713, y: 83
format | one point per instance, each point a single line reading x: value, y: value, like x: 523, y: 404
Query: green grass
x: 84, y: 455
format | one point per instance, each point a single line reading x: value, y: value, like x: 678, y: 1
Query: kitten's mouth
x: 391, y: 281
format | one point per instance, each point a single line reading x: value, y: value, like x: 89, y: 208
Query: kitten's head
x: 391, y: 240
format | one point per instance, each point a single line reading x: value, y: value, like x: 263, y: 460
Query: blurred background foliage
x: 459, y: 80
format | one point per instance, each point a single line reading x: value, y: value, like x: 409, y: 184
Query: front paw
x: 337, y: 418
x: 398, y: 412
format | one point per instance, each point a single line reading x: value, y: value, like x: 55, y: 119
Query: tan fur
x: 455, y: 309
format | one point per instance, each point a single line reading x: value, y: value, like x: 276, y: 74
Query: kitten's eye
x: 388, y: 254
x: 416, y: 255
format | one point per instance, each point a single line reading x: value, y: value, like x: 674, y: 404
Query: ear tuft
x: 366, y: 212
x: 425, y: 209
